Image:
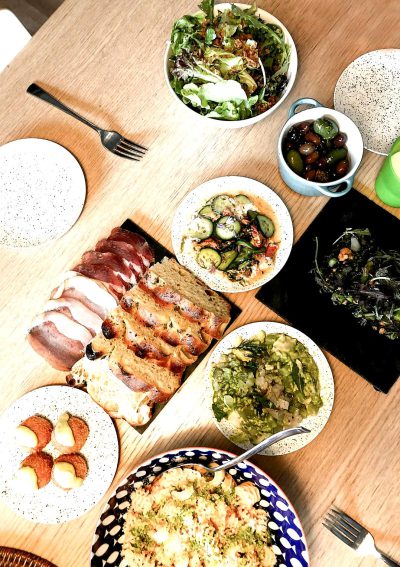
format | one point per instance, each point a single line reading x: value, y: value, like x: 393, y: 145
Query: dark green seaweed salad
x: 228, y: 66
x: 363, y: 278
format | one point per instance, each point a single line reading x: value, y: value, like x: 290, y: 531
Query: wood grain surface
x: 104, y: 58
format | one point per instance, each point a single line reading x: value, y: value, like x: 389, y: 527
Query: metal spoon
x: 253, y: 451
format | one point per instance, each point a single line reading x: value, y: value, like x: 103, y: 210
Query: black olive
x: 107, y: 330
x: 90, y: 353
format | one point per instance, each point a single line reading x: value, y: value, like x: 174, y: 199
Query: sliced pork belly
x: 140, y: 244
x: 113, y: 261
x: 127, y: 251
x: 92, y: 293
x: 105, y: 274
x: 58, y: 338
x: 77, y: 311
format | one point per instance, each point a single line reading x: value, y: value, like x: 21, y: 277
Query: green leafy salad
x: 264, y: 385
x: 228, y: 66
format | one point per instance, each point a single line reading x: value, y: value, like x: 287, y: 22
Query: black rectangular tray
x: 161, y: 252
x: 295, y: 296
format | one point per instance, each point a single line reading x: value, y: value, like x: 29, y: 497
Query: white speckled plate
x: 43, y: 191
x: 232, y: 185
x: 368, y: 92
x: 314, y: 423
x: 52, y: 505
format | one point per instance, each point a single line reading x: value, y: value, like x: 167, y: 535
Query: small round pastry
x: 69, y: 471
x: 34, y: 472
x: 70, y: 433
x: 34, y: 433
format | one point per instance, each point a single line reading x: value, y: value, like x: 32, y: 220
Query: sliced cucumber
x: 242, y: 257
x: 227, y: 228
x: 227, y: 259
x: 266, y: 225
x: 243, y: 200
x: 246, y: 244
x: 220, y: 203
x: 201, y: 228
x: 252, y: 214
x: 208, y: 258
x: 208, y: 212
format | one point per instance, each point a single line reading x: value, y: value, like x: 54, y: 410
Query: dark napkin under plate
x: 161, y: 252
x: 295, y: 296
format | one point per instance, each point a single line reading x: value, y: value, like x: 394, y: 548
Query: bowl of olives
x: 319, y: 150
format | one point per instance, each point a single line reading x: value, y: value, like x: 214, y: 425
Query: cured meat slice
x: 58, y: 339
x: 65, y: 326
x: 126, y: 250
x: 61, y: 353
x: 77, y: 311
x: 113, y: 261
x: 142, y: 247
x: 92, y: 293
x: 104, y: 274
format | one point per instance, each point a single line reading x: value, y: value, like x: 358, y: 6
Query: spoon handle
x: 263, y: 445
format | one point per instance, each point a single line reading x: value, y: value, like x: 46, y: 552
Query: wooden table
x: 105, y: 59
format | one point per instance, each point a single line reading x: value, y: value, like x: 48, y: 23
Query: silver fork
x: 275, y: 438
x: 111, y: 140
x: 354, y: 535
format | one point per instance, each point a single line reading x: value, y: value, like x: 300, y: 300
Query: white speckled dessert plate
x: 43, y: 191
x: 327, y: 388
x: 50, y: 504
x: 368, y: 92
x: 232, y: 185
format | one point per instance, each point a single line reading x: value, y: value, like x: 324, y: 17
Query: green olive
x: 336, y: 155
x: 294, y: 161
x: 325, y: 128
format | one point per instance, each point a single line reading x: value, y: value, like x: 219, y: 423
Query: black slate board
x: 161, y: 252
x: 295, y: 296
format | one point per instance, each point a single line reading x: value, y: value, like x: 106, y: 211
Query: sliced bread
x: 139, y: 374
x: 173, y: 284
x: 117, y: 399
x: 141, y: 339
x: 166, y: 321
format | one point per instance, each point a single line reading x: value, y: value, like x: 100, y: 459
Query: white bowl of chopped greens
x: 265, y: 377
x: 232, y: 64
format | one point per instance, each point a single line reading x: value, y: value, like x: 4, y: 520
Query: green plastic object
x: 387, y: 183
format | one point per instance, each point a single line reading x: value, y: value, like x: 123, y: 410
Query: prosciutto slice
x: 113, y: 261
x: 140, y: 244
x: 92, y: 293
x: 105, y: 274
x: 127, y: 251
x: 77, y: 311
x: 58, y: 338
x: 59, y: 351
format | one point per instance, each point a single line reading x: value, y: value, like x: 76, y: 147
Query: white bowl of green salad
x: 265, y: 377
x: 232, y: 64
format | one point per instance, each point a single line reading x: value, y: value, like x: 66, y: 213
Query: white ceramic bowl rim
x: 291, y: 74
x: 308, y: 114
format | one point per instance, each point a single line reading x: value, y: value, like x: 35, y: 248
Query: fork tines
x: 128, y: 149
x: 343, y: 527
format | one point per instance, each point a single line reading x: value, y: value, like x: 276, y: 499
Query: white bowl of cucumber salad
x: 233, y: 233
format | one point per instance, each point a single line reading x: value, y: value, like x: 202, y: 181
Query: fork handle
x: 387, y: 560
x: 37, y: 91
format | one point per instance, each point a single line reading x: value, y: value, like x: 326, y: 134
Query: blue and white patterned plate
x: 288, y: 540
